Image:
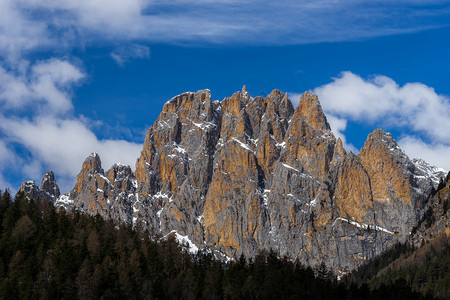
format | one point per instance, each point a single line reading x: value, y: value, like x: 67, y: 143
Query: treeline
x: 47, y: 254
x: 372, y: 267
x: 426, y: 270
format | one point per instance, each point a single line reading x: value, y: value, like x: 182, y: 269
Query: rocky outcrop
x: 47, y: 191
x: 243, y: 174
x: 111, y: 194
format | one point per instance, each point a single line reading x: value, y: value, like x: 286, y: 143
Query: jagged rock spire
x: 339, y: 149
x: 310, y: 109
x: 48, y: 191
x: 49, y: 185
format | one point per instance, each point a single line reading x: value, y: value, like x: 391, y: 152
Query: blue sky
x: 92, y: 75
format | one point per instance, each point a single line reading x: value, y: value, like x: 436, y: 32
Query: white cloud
x: 64, y: 144
x: 54, y: 137
x: 413, y: 105
x: 124, y: 54
x: 381, y: 101
x: 7, y: 156
x: 46, y: 83
x: 5, y: 153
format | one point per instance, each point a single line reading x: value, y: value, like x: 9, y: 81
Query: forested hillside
x: 53, y: 255
x: 426, y: 270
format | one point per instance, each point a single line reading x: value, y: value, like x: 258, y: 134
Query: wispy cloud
x: 381, y: 101
x: 124, y: 54
x: 25, y: 25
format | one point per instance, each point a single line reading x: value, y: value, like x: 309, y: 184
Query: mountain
x: 250, y: 173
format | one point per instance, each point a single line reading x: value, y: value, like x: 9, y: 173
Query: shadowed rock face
x: 249, y: 173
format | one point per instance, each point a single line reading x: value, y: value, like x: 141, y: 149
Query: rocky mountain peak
x: 234, y: 104
x: 393, y: 182
x: 49, y: 185
x: 379, y: 138
x: 383, y: 143
x: 30, y: 189
x: 310, y: 142
x: 188, y: 100
x: 110, y: 195
x: 310, y: 109
x: 48, y: 191
x: 92, y: 164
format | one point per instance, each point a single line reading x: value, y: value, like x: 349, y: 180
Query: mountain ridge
x: 245, y: 174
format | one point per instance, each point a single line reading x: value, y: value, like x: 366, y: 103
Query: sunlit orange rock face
x: 353, y: 191
x: 388, y: 179
x: 310, y: 141
x: 249, y: 173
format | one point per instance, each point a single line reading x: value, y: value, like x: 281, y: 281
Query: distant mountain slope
x: 247, y: 173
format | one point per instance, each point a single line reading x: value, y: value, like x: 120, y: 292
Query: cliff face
x: 248, y: 173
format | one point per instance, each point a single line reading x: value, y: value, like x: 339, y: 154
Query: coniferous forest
x: 49, y: 254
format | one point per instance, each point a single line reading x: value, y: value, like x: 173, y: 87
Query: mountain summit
x: 245, y: 174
